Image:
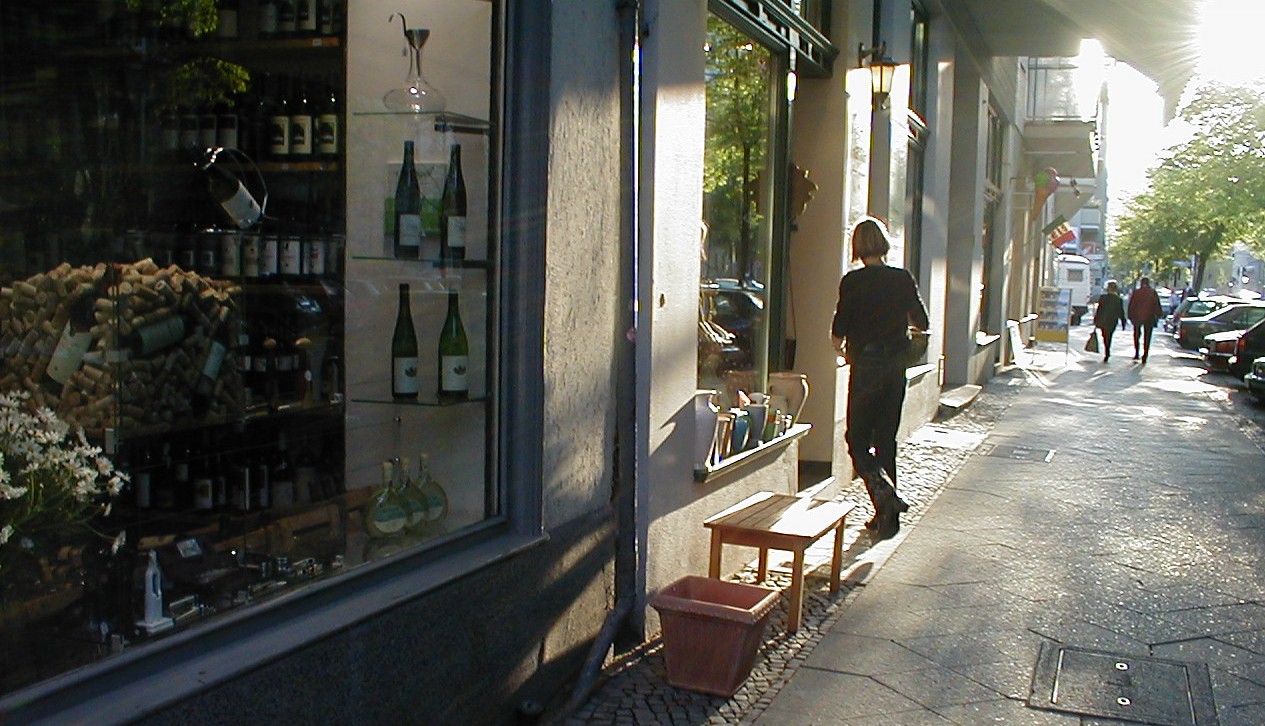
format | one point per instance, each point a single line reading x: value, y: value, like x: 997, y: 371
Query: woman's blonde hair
x: 869, y: 239
x: 1113, y: 286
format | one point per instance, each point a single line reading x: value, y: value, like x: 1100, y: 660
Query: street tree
x: 1206, y: 192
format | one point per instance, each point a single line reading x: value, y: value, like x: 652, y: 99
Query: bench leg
x: 797, y: 592
x: 762, y: 566
x: 836, y: 558
x: 713, y: 564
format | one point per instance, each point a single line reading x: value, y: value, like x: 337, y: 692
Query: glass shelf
x: 432, y: 261
x: 444, y: 120
x: 425, y: 403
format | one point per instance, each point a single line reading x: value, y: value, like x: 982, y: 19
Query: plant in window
x: 53, y: 483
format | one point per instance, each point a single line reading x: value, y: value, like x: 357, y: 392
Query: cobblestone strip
x: 635, y: 692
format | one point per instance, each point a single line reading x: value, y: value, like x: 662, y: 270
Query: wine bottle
x: 385, y: 517
x: 279, y: 123
x: 234, y: 198
x: 227, y: 11
x: 157, y: 335
x: 163, y: 485
x: 305, y: 18
x: 408, y: 209
x: 76, y: 336
x: 452, y: 212
x: 307, y: 484
x: 287, y: 18
x: 281, y: 475
x: 181, y: 478
x: 432, y: 493
x: 325, y: 17
x: 267, y: 18
x: 327, y: 125
x: 142, y: 478
x: 203, y: 482
x: 404, y: 350
x: 301, y: 124
x: 203, y: 390
x: 454, y: 354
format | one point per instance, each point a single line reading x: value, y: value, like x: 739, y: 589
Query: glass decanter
x: 417, y: 95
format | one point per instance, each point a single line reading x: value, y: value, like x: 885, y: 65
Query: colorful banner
x: 1059, y: 232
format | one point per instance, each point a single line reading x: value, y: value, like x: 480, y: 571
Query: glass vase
x: 417, y: 95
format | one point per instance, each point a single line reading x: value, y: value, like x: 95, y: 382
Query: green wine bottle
x: 454, y: 354
x: 385, y: 516
x: 404, y: 350
x: 408, y: 209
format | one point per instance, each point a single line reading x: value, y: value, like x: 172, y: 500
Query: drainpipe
x: 619, y: 628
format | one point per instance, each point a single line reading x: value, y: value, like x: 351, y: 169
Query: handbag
x: 1091, y: 345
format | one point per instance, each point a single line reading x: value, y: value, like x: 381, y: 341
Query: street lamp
x: 882, y: 72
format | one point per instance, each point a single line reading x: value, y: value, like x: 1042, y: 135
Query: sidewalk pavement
x: 1094, y: 529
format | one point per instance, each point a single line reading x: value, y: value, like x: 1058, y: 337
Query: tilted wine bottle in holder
x: 76, y: 336
x: 228, y: 190
x: 408, y: 209
x: 452, y: 212
x: 454, y: 354
x: 404, y: 351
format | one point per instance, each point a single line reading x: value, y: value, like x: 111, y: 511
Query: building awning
x: 1157, y: 37
x: 1069, y: 146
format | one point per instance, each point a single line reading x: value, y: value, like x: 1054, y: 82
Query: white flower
x: 5, y: 533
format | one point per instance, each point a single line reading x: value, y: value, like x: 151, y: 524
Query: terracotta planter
x: 712, y: 631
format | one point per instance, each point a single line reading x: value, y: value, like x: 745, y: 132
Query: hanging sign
x: 1059, y: 232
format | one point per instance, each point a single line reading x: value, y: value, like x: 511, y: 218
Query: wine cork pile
x: 116, y: 386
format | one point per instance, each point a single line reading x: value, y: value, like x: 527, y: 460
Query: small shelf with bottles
x: 443, y: 121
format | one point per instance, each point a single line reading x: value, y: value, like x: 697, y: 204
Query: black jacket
x: 1110, y: 309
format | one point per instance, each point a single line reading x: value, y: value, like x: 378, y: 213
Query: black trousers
x: 876, y: 392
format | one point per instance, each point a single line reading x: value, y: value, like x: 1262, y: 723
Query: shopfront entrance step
x: 956, y: 398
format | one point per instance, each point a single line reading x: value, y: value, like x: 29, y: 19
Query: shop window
x: 294, y: 392
x: 738, y: 226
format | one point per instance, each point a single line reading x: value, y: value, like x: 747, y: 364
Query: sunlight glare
x: 1229, y: 31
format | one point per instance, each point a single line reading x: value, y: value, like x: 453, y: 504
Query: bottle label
x: 214, y: 360
x: 242, y: 207
x: 404, y: 381
x: 327, y: 133
x: 301, y: 135
x: 203, y: 493
x: 231, y: 255
x: 409, y: 228
x: 268, y: 255
x: 159, y: 335
x: 315, y: 256
x: 454, y: 373
x: 457, y: 232
x: 291, y: 254
x: 250, y: 255
x: 68, y: 355
x: 387, y: 519
x: 307, y: 16
x: 279, y: 135
x: 267, y: 18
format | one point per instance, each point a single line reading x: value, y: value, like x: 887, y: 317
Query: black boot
x: 901, y: 505
x: 887, y: 506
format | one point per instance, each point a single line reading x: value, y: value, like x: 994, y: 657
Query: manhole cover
x: 1017, y: 451
x: 1123, y: 687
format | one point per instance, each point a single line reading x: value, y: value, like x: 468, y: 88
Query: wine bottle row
x: 274, y: 253
x: 408, y: 213
x: 281, y: 118
x: 452, y: 350
x: 230, y: 472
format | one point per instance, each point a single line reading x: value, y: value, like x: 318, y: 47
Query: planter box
x: 712, y: 631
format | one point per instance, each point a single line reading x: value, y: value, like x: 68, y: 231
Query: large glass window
x: 260, y: 271
x: 738, y: 210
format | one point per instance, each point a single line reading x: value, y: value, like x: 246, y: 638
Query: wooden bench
x: 781, y: 522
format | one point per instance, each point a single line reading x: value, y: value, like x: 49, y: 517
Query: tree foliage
x: 1206, y: 192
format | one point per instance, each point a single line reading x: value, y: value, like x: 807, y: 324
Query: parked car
x: 1255, y: 379
x: 1218, y: 349
x: 1195, y: 306
x: 1237, y: 316
x: 1247, y: 347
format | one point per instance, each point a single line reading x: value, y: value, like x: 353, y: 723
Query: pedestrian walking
x: 1144, y: 312
x: 878, y: 305
x: 1108, y: 313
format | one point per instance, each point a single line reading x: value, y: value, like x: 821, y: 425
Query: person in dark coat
x: 1108, y: 314
x: 1144, y: 312
x: 878, y: 304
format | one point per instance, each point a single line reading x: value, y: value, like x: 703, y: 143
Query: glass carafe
x: 417, y: 95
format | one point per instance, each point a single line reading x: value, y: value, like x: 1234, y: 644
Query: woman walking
x: 878, y: 304
x: 1110, y: 311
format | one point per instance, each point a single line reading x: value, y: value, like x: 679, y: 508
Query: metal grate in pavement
x: 1017, y: 452
x: 1123, y: 687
